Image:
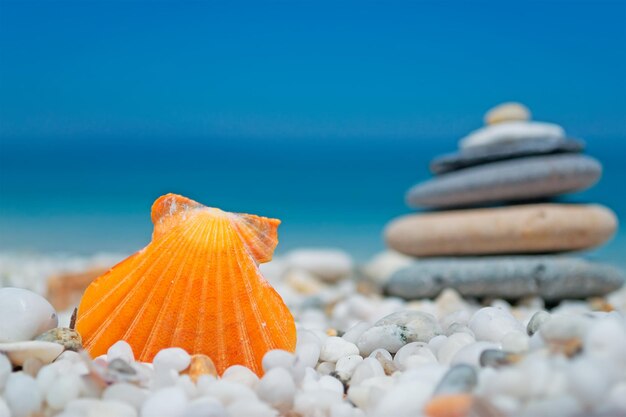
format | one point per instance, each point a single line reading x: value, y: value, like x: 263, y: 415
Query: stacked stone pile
x: 494, y: 229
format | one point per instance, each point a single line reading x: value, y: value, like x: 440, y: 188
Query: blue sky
x: 146, y: 71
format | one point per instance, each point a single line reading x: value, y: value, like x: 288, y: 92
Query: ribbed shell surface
x: 196, y: 286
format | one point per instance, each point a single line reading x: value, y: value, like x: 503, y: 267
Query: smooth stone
x: 241, y: 375
x: 166, y: 402
x: 22, y: 395
x: 19, y: 352
x: 510, y: 132
x: 126, y: 393
x: 459, y: 379
x: 25, y: 315
x: 417, y: 326
x: 496, y: 358
x: 329, y: 265
x: 532, y: 228
x: 413, y: 355
x: 121, y: 350
x: 519, y: 179
x: 205, y: 407
x: 390, y: 337
x: 171, y: 358
x: 479, y: 155
x: 551, y: 277
x: 493, y: 324
x: 335, y: 348
x: 65, y: 389
x: 535, y: 322
x: 308, y: 354
x: 5, y: 370
x: 346, y: 366
x: 277, y: 358
x: 94, y: 407
x: 507, y: 112
x: 277, y: 388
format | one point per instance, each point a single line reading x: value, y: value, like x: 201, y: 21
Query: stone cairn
x: 493, y: 231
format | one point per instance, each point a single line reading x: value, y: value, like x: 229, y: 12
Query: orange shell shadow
x: 197, y: 286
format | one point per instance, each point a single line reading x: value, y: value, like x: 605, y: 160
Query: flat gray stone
x: 551, y: 277
x: 479, y: 155
x: 511, y: 180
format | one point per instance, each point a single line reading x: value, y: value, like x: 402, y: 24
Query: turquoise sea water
x: 96, y: 196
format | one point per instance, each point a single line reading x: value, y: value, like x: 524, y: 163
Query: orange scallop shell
x: 197, y: 286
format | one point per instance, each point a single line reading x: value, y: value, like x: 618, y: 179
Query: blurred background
x: 319, y: 113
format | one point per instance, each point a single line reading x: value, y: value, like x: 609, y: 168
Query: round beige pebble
x: 507, y: 112
x: 532, y: 228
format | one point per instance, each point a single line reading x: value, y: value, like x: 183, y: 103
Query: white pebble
x: 353, y: 334
x: 4, y: 408
x: 384, y: 352
x: 515, y: 341
x: 25, y: 315
x: 492, y: 324
x: 205, y: 407
x: 5, y: 370
x: 277, y: 358
x: 436, y: 342
x: 251, y: 409
x: 64, y: 389
x: 413, y: 355
x: 241, y: 375
x: 308, y: 354
x: 310, y: 336
x: 22, y: 395
x: 166, y: 402
x: 126, y: 393
x: 325, y: 368
x: 328, y: 264
x: 332, y: 384
x: 346, y: 366
x: 588, y: 382
x: 389, y: 337
x: 171, y: 358
x: 510, y: 132
x: 367, y: 369
x: 416, y: 326
x: 451, y: 346
x: 316, y: 402
x: 94, y: 407
x: 470, y: 353
x: 277, y: 388
x: 335, y: 348
x: 121, y: 350
x: 506, y: 112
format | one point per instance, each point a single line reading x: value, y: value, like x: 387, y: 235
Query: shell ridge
x: 219, y: 319
x: 148, y: 299
x: 242, y: 332
x: 154, y: 331
x: 259, y: 234
x: 249, y: 290
x: 209, y: 236
x: 261, y: 319
x: 204, y: 275
x: 121, y: 281
x: 113, y: 316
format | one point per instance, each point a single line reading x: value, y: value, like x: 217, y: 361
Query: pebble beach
x: 483, y: 305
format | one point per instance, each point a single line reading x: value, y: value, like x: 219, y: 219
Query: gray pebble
x: 478, y: 155
x: 536, y: 321
x: 512, y: 180
x: 459, y: 379
x: 551, y: 277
